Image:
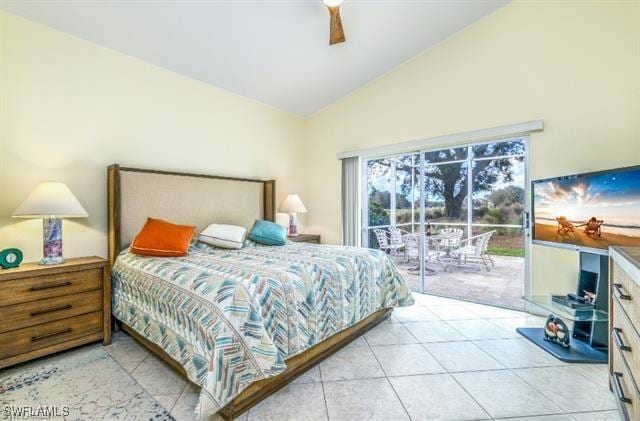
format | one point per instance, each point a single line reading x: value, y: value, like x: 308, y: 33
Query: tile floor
x: 438, y: 360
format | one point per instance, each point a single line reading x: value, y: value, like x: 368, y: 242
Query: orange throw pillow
x: 162, y: 238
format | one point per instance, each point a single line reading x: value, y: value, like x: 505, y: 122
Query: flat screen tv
x: 588, y: 212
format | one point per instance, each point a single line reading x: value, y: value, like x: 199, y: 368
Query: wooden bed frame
x: 297, y: 364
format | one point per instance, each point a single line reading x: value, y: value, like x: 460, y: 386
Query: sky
x: 611, y: 196
x: 381, y: 182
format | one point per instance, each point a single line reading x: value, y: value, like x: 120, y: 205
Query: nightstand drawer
x: 32, y: 338
x: 30, y: 289
x: 33, y: 313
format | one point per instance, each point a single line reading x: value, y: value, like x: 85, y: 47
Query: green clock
x: 10, y: 258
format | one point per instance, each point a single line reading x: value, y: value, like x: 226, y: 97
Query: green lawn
x: 506, y: 251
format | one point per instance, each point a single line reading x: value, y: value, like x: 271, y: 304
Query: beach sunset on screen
x: 593, y: 210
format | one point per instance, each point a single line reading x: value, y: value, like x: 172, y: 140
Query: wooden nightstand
x: 46, y: 309
x: 305, y: 238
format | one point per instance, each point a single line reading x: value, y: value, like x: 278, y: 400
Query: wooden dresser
x: 45, y: 309
x: 624, y: 324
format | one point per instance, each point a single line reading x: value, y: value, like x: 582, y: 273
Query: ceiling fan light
x: 332, y: 3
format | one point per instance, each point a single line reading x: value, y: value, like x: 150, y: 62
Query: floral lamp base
x: 293, y: 224
x: 52, y: 241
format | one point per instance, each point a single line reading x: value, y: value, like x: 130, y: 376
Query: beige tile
x: 568, y: 389
x: 503, y: 394
x: 167, y: 401
x: 310, y: 376
x: 599, y: 373
x: 439, y: 331
x: 129, y: 366
x: 512, y: 323
x: 389, y: 334
x: 370, y: 399
x: 294, y: 402
x: 351, y: 363
x: 563, y: 417
x: 462, y: 356
x: 492, y: 312
x: 481, y: 329
x: 436, y: 397
x: 125, y: 350
x: 185, y: 406
x: 415, y: 313
x: 518, y: 353
x: 404, y: 360
x: 157, y: 377
x: 453, y: 312
x: 597, y: 416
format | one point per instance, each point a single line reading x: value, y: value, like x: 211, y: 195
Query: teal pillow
x: 268, y: 233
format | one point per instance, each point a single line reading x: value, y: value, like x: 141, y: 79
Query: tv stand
x: 590, y: 332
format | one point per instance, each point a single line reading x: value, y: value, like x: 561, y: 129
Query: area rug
x: 83, y: 384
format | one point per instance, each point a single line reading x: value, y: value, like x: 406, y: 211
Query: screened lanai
x: 452, y: 218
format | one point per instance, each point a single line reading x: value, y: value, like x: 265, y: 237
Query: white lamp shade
x: 50, y: 199
x: 333, y: 3
x: 292, y: 204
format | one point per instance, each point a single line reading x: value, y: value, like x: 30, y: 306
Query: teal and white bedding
x: 232, y: 317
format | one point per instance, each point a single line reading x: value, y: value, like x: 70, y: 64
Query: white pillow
x: 223, y: 236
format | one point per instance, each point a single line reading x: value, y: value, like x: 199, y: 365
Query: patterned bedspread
x: 232, y: 317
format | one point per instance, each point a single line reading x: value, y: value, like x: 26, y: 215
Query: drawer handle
x: 48, y: 335
x: 617, y: 387
x: 49, y: 286
x: 621, y: 295
x: 615, y: 334
x: 50, y: 310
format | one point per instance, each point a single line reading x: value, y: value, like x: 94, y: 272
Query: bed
x: 238, y: 323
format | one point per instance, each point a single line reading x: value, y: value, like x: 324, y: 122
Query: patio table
x: 443, y: 247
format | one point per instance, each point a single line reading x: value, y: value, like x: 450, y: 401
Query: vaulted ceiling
x: 274, y: 51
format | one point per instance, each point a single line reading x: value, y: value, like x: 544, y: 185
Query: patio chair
x: 412, y: 251
x: 454, y: 236
x: 385, y: 244
x: 564, y: 226
x: 594, y: 227
x: 412, y: 246
x: 473, y: 252
x: 395, y: 237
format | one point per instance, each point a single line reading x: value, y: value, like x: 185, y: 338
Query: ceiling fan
x: 336, y: 33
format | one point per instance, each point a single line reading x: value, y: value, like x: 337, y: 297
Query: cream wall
x: 574, y: 64
x: 68, y: 108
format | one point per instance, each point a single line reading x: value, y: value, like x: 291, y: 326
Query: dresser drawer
x: 626, y: 292
x: 32, y: 338
x: 30, y: 289
x: 624, y: 389
x: 33, y: 313
x: 625, y: 339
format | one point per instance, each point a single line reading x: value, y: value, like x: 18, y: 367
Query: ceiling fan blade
x: 336, y: 33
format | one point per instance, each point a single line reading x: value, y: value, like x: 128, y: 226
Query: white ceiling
x: 276, y: 52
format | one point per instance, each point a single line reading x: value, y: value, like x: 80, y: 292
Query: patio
x: 502, y: 286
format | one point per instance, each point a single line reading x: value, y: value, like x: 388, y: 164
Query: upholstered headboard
x: 192, y: 199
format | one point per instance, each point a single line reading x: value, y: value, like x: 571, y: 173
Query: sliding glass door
x: 424, y: 208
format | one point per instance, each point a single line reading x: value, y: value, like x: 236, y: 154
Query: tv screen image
x: 588, y: 211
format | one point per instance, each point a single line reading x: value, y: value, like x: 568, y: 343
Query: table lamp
x: 292, y: 205
x: 51, y: 201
